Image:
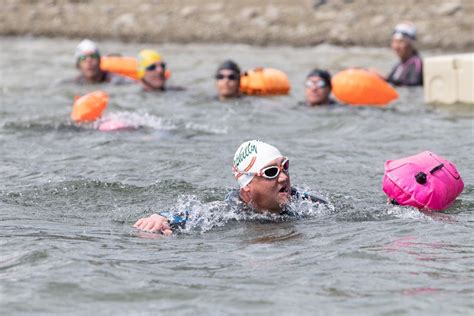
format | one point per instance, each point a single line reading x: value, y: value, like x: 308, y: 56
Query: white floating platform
x: 449, y: 79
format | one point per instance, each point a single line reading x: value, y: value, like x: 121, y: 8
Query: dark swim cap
x: 230, y: 65
x: 323, y: 74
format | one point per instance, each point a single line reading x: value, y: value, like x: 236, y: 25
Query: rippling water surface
x: 69, y: 194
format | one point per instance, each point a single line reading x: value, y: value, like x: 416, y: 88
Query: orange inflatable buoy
x: 90, y: 106
x: 361, y: 87
x: 124, y: 66
x: 264, y: 81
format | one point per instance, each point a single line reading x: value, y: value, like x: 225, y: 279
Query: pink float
x: 425, y: 181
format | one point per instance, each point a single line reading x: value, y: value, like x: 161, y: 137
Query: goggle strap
x: 261, y: 172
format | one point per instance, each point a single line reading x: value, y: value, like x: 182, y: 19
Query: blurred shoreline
x: 441, y: 24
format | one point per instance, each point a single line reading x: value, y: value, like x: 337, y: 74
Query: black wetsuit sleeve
x: 176, y: 220
x: 308, y: 196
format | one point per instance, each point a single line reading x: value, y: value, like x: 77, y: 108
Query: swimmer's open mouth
x: 284, y: 189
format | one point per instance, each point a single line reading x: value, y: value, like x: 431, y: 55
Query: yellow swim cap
x: 146, y: 58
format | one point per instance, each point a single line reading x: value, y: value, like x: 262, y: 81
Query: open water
x: 69, y: 195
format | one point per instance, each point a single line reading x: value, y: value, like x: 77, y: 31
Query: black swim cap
x: 323, y: 74
x: 230, y: 65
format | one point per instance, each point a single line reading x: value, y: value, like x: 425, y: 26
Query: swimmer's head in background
x: 229, y: 65
x: 405, y: 30
x: 146, y: 58
x: 323, y: 74
x: 251, y: 157
x: 86, y: 47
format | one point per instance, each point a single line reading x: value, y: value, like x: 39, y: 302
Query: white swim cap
x: 406, y: 30
x: 86, y: 47
x: 251, y: 157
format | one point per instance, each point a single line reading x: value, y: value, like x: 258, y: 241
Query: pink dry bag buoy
x: 425, y: 181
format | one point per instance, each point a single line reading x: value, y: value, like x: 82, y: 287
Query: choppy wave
x: 125, y: 203
x: 21, y: 257
x: 41, y: 124
x: 127, y: 121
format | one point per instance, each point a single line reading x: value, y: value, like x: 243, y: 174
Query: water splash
x: 205, y: 216
x: 404, y: 212
x: 205, y: 128
x: 132, y: 120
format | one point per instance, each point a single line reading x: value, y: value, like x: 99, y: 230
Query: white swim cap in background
x: 406, y: 30
x: 86, y: 47
x: 250, y: 157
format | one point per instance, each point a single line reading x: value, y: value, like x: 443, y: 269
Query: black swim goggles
x: 153, y: 67
x: 231, y: 77
x: 315, y: 84
x: 272, y: 172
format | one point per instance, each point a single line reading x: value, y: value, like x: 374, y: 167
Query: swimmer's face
x: 316, y: 91
x: 89, y: 65
x: 155, y: 76
x: 228, y: 84
x: 270, y: 194
x: 402, y: 47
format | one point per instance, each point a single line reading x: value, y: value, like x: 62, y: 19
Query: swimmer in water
x: 152, y: 72
x: 263, y: 175
x: 228, y: 80
x: 88, y: 63
x: 409, y: 70
x: 318, y: 88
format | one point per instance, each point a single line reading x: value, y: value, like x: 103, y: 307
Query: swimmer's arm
x: 314, y: 198
x: 164, y: 222
x: 308, y: 196
x: 176, y: 220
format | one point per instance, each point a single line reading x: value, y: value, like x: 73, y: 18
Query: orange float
x: 124, y: 66
x: 90, y: 106
x: 264, y: 81
x: 361, y: 87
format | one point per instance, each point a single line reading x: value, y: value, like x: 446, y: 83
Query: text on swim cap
x: 244, y: 153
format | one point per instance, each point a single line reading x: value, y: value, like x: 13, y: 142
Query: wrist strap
x: 176, y: 220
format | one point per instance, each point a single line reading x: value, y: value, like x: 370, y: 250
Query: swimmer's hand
x: 154, y: 224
